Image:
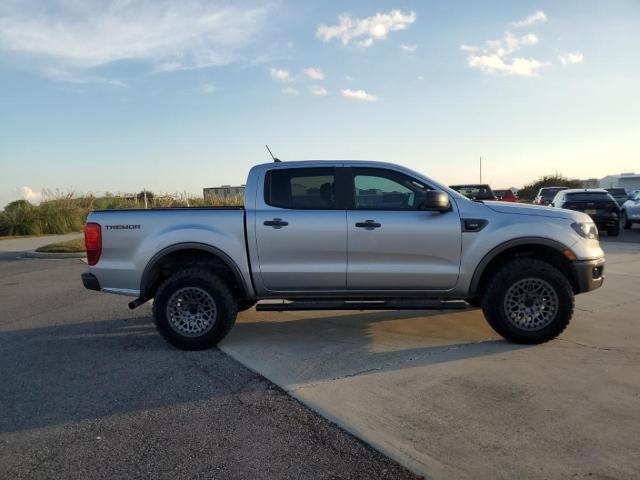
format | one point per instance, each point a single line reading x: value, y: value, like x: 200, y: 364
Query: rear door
x: 301, y: 233
x: 392, y: 244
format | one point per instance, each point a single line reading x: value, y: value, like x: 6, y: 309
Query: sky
x: 121, y: 95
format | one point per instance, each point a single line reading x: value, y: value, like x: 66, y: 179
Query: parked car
x: 546, y: 195
x: 411, y: 243
x: 506, y: 195
x: 597, y: 203
x: 631, y: 211
x: 475, y: 191
x: 619, y: 194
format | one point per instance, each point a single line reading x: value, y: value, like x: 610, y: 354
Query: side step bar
x: 362, y: 305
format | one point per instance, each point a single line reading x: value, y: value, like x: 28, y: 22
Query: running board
x: 362, y: 305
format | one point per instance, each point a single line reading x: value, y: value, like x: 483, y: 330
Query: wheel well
x: 167, y: 265
x: 539, y: 252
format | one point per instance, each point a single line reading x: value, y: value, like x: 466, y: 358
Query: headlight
x: 586, y: 230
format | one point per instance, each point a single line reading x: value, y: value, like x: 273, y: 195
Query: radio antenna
x: 274, y: 158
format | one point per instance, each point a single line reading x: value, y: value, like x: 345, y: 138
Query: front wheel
x: 194, y: 309
x: 528, y: 301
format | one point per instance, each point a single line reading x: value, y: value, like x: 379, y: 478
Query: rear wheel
x: 194, y: 309
x: 626, y: 224
x: 614, y: 232
x: 528, y: 301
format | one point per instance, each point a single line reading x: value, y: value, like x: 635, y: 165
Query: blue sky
x: 115, y: 96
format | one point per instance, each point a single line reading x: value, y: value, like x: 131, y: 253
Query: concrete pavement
x: 89, y: 390
x: 25, y: 244
x: 444, y: 395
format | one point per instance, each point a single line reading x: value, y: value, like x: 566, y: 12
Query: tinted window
x: 620, y: 192
x: 550, y: 192
x: 301, y: 188
x: 588, y: 197
x: 376, y: 189
x: 475, y: 192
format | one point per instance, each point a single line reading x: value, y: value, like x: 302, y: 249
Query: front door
x: 392, y: 243
x: 301, y: 231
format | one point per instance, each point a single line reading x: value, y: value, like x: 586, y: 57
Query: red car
x: 506, y: 195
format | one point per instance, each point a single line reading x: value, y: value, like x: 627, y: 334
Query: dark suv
x: 476, y: 191
x: 619, y: 194
x: 598, y: 204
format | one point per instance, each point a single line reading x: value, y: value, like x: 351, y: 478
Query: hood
x: 537, y: 210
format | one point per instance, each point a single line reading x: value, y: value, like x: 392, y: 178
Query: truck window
x: 376, y: 189
x: 301, y: 188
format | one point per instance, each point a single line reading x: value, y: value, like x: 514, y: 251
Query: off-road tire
x: 624, y: 221
x: 225, y: 304
x: 493, y: 300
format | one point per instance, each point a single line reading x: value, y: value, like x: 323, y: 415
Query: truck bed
x: 132, y: 237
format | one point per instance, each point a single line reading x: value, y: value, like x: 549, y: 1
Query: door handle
x: 368, y: 224
x: 275, y: 223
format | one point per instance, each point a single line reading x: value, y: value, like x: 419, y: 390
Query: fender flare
x: 226, y: 259
x: 494, y: 252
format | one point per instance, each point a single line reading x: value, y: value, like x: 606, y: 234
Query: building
x: 629, y: 181
x: 224, y: 192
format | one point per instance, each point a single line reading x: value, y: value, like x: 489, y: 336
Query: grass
x: 66, y: 213
x: 70, y: 246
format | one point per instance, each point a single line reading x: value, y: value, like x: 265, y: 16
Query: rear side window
x: 301, y: 188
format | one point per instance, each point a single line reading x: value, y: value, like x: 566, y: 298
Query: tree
x: 529, y: 191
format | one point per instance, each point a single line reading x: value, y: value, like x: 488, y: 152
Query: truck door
x: 392, y: 243
x: 301, y: 231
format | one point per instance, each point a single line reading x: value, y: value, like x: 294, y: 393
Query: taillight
x: 93, y: 242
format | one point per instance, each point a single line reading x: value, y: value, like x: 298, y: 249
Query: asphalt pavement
x: 88, y: 390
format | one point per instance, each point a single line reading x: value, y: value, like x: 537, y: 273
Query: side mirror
x: 436, y: 201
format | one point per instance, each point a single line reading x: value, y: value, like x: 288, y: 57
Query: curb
x: 34, y: 254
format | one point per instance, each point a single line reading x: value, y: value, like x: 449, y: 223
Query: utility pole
x: 480, y: 168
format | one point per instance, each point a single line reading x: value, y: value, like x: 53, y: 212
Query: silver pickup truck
x: 346, y: 235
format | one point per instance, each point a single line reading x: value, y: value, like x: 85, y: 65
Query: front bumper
x: 90, y: 281
x: 590, y: 274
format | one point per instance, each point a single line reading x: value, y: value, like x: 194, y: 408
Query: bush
x: 66, y: 213
x: 529, y: 191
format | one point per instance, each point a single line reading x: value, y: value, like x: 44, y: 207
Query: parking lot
x: 89, y: 390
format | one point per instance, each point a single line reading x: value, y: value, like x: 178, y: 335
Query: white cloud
x: 26, y: 193
x: 496, y: 56
x: 318, y: 91
x: 536, y: 17
x: 72, y: 76
x: 358, y: 95
x: 571, y: 58
x: 74, y: 35
x: 280, y: 74
x: 376, y: 27
x: 314, y: 73
x: 495, y: 64
x: 290, y: 91
x: 409, y: 48
x: 208, y: 88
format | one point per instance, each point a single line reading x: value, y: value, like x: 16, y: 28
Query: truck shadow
x: 85, y: 371
x: 295, y: 348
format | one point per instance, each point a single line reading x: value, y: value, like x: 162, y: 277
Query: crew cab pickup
x: 332, y: 235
